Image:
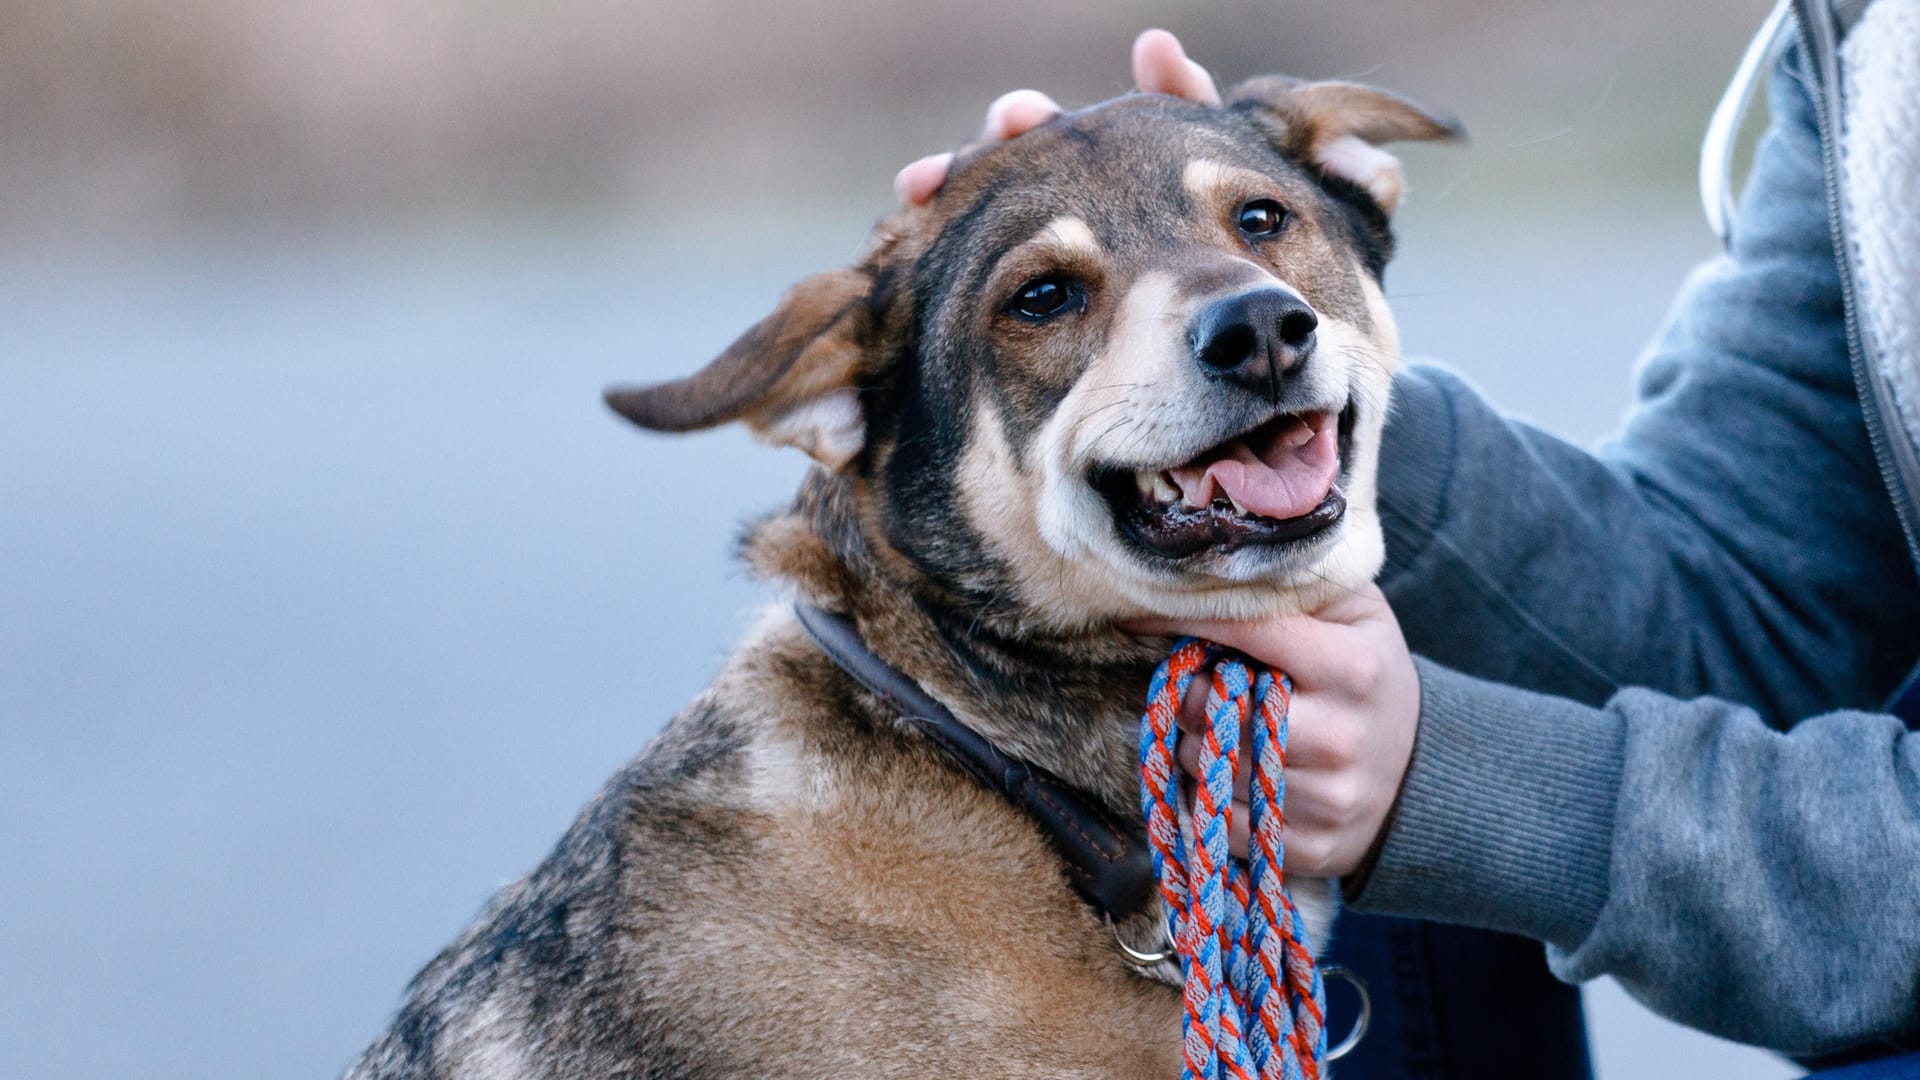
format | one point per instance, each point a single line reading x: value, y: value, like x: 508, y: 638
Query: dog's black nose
x: 1255, y: 338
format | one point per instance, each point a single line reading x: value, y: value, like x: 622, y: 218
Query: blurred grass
x: 122, y: 116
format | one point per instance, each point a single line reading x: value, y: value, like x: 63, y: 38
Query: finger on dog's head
x: 920, y: 181
x: 1017, y: 112
x: 1161, y: 66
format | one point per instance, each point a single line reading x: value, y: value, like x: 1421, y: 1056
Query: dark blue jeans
x: 1905, y: 1067
x: 1883, y: 1062
x: 1452, y: 1002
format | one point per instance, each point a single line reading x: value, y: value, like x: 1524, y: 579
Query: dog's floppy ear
x: 1340, y: 126
x: 792, y: 378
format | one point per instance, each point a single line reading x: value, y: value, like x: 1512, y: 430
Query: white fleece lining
x: 1880, y: 169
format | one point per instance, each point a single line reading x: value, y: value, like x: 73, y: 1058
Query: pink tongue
x: 1287, y: 482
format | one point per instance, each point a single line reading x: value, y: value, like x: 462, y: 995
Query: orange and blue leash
x: 1254, y: 1001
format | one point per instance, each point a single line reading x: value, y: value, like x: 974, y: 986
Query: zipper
x: 1817, y: 44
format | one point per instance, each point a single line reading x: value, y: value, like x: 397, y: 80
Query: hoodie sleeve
x: 1760, y: 885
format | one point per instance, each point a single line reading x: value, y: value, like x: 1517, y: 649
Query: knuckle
x: 1366, y: 669
x: 1309, y: 851
x: 1340, y: 745
x: 1342, y: 798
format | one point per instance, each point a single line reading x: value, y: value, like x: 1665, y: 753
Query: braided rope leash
x: 1254, y: 1000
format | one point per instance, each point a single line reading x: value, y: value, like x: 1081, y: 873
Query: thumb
x: 1161, y: 66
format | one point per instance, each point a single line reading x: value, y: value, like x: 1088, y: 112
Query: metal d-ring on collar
x: 1142, y: 960
x: 1146, y: 960
x: 1346, y: 1045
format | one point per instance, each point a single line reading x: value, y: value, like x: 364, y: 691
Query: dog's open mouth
x: 1272, y: 485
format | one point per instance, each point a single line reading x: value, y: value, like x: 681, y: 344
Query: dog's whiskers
x: 1109, y: 405
x: 1111, y: 428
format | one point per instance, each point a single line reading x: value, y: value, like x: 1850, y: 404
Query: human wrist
x: 1505, y: 817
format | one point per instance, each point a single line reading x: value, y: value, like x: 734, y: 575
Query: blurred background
x: 329, y: 591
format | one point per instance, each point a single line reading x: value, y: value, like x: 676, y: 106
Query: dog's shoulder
x: 781, y: 862
x: 570, y: 955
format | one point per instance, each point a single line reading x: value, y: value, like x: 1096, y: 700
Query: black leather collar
x: 1107, y: 861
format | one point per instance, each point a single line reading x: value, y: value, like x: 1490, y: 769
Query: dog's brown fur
x: 788, y: 883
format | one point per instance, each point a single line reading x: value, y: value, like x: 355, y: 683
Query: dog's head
x: 1133, y: 361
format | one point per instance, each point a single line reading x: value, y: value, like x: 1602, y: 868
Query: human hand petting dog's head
x: 1160, y: 66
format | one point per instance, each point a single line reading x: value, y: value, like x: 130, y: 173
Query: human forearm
x: 1755, y: 884
x: 1518, y: 557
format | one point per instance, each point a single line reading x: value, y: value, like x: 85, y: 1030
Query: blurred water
x: 329, y: 591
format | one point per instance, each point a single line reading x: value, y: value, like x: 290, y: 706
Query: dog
x: 1134, y: 362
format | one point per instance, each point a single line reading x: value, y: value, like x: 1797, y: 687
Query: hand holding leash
x: 1356, y: 705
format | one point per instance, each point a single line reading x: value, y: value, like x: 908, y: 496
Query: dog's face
x: 1135, y: 361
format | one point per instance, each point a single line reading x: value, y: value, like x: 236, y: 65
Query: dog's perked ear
x: 1339, y: 127
x: 792, y: 379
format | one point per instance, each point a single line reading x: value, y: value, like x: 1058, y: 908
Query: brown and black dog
x: 1133, y: 362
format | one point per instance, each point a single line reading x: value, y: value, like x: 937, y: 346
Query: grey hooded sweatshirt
x: 1656, y: 678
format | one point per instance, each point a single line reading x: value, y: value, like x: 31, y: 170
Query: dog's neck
x: 1068, y: 704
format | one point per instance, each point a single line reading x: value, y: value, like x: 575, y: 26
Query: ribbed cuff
x: 1505, y: 820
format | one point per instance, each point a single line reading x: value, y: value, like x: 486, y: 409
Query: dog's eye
x: 1261, y: 217
x: 1045, y: 297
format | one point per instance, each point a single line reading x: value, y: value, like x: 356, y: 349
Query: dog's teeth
x: 1300, y: 434
x: 1164, y: 490
x: 1147, y: 483
x: 1237, y: 508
